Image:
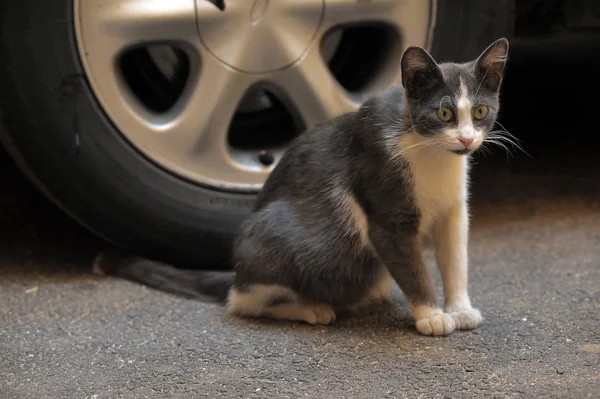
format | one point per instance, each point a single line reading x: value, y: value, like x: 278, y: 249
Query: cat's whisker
x: 393, y: 120
x: 482, y: 150
x: 442, y: 100
x: 486, y: 150
x: 430, y: 144
x: 500, y: 144
x: 516, y: 142
x: 409, y: 129
x: 499, y: 136
x: 506, y: 134
x: 506, y: 138
x: 414, y: 147
x: 397, y: 121
x: 420, y: 144
x: 506, y: 131
x: 432, y: 149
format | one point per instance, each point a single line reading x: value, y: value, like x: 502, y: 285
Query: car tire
x: 56, y: 131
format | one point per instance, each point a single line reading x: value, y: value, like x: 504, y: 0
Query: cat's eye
x: 444, y: 114
x: 480, y: 112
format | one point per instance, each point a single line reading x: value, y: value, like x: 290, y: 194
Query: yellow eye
x: 480, y: 112
x: 444, y: 114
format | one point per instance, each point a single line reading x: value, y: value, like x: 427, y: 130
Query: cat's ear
x: 489, y: 67
x: 420, y: 72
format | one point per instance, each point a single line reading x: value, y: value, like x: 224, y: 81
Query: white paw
x: 467, y: 319
x: 436, y: 324
x: 320, y: 314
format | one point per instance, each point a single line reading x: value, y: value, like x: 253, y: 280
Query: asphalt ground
x: 535, y: 275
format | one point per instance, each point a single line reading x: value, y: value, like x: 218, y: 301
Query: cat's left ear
x: 490, y: 64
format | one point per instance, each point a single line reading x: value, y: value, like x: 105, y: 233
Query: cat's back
x: 325, y: 155
x: 315, y: 162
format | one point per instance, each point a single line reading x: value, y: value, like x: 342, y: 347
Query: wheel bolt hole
x: 266, y: 158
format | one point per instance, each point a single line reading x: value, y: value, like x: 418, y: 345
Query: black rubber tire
x: 58, y: 134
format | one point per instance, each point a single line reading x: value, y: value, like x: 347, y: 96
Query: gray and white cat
x: 342, y: 217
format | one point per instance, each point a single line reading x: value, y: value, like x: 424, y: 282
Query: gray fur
x: 297, y: 238
x: 195, y: 284
x: 439, y: 85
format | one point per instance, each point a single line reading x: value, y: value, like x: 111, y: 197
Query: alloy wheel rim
x: 276, y: 47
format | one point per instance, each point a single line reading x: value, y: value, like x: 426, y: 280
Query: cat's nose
x: 466, y: 141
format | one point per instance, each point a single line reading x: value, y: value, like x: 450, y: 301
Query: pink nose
x: 466, y: 141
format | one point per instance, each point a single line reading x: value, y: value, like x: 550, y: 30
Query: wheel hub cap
x: 257, y: 36
x: 278, y: 47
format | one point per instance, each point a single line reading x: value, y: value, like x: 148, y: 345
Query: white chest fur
x: 439, y: 183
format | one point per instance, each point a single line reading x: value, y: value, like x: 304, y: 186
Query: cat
x: 342, y: 217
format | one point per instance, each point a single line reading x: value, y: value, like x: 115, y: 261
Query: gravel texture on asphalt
x: 535, y: 275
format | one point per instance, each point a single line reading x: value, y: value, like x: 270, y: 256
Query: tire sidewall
x: 55, y: 128
x: 57, y: 131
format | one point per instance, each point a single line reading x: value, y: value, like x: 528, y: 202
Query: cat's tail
x: 197, y: 284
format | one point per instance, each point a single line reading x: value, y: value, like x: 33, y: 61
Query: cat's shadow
x: 393, y: 315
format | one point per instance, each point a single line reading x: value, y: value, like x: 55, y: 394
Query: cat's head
x: 454, y: 105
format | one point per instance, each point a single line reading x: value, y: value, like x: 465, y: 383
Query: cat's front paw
x: 466, y: 319
x: 436, y: 324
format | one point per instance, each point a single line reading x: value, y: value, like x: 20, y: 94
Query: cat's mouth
x: 458, y: 144
x: 464, y: 151
x: 460, y: 148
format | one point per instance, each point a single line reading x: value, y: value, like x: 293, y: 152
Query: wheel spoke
x: 209, y: 107
x: 194, y: 133
x: 407, y: 17
x: 348, y: 11
x: 397, y: 13
x: 313, y: 90
x: 276, y: 43
x: 113, y: 25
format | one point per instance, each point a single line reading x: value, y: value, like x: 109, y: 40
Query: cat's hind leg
x: 277, y: 302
